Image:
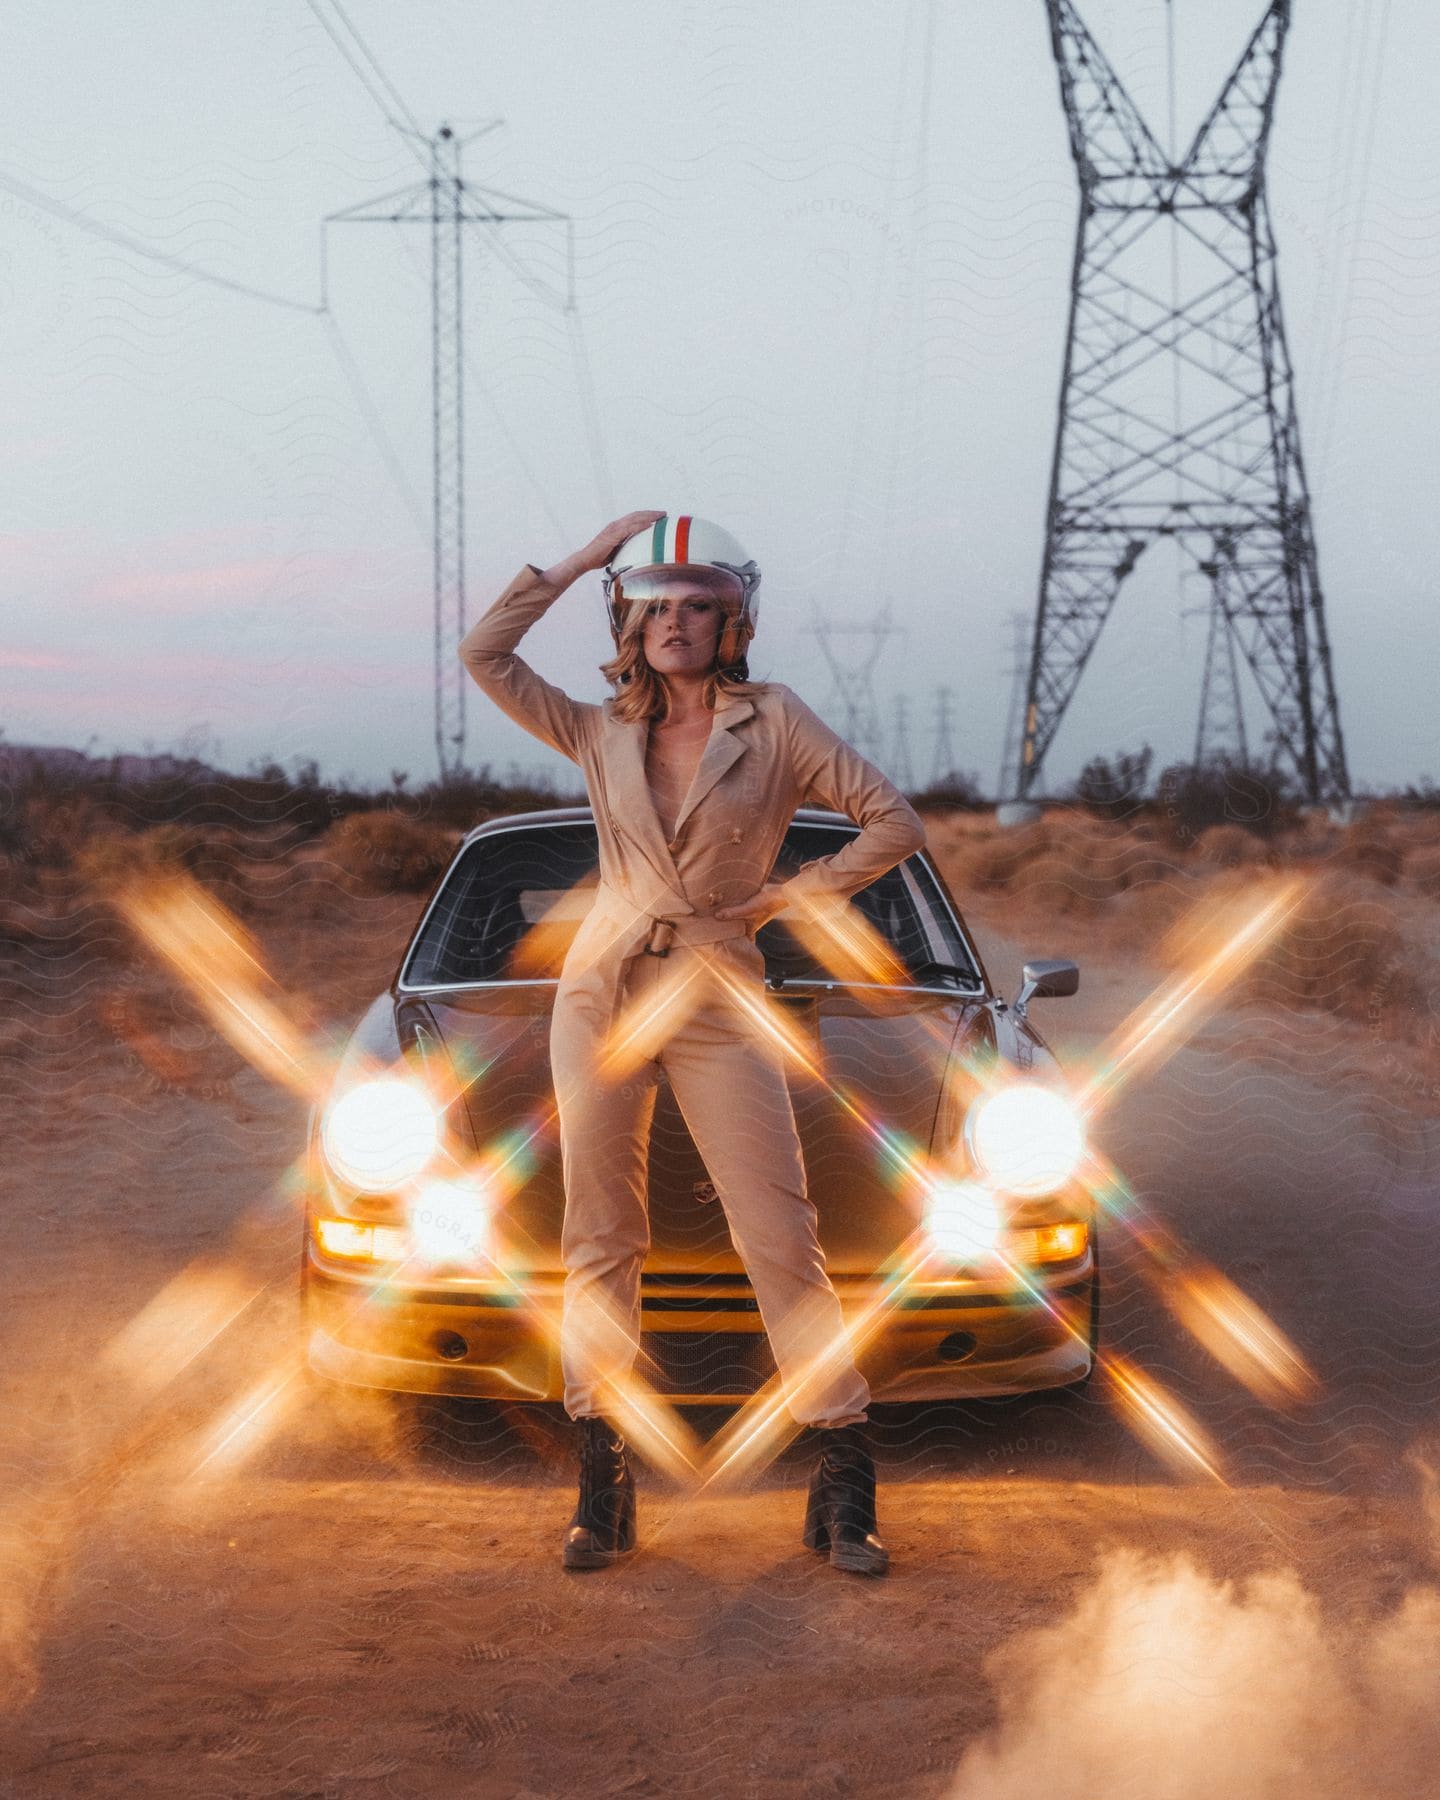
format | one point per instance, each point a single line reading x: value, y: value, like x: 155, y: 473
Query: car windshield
x: 510, y: 905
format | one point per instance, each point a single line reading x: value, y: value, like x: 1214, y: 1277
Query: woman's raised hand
x: 600, y: 549
x: 605, y: 543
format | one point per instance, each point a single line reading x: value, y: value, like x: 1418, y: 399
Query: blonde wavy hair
x: 642, y: 694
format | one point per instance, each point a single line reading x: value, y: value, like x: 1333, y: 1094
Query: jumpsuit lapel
x: 632, y: 811
x: 721, y: 751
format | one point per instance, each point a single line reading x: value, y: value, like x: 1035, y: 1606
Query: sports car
x: 944, y: 1157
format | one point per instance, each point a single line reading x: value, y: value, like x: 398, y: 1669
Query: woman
x: 693, y: 772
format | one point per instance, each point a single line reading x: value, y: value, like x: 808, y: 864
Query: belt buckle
x: 660, y: 949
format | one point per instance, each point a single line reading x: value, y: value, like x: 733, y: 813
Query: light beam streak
x: 1154, y: 1031
x: 219, y: 963
x: 1161, y: 1423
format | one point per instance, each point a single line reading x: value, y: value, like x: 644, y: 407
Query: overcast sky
x: 822, y: 266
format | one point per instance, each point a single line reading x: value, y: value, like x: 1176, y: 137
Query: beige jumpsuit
x: 767, y: 754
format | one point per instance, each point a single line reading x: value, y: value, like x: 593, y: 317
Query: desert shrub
x: 1143, y: 863
x: 1078, y: 865
x: 309, y: 883
x: 44, y: 828
x: 48, y: 911
x: 1367, y: 848
x: 1115, y: 789
x: 1118, y: 857
x: 1072, y: 861
x: 1419, y: 826
x: 953, y: 790
x: 1191, y: 797
x: 1230, y: 847
x: 386, y: 853
x: 1422, y: 870
x: 1340, y: 952
x: 988, y: 862
x: 216, y: 855
x: 1061, y: 881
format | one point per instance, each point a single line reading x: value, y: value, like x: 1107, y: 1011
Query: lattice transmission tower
x: 902, y: 764
x: 1175, y: 276
x: 852, y: 691
x: 446, y: 202
x: 943, y: 767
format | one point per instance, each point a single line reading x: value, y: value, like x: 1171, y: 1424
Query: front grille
x: 706, y: 1362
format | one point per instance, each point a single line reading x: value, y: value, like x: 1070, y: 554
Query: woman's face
x: 681, y: 631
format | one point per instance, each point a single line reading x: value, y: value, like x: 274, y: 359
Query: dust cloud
x: 1168, y: 1684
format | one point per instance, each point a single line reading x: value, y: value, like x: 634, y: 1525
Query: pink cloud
x: 35, y: 660
x: 175, y: 670
x: 245, y: 575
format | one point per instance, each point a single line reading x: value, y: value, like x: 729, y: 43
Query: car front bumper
x: 701, y: 1343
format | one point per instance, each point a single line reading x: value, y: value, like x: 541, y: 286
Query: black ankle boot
x: 840, y: 1516
x: 604, y: 1524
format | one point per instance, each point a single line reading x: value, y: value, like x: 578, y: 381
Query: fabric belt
x: 690, y: 928
x: 679, y: 928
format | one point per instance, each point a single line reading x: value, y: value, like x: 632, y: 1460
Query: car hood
x: 878, y: 1063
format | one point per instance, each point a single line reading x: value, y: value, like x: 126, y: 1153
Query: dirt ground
x: 215, y: 1585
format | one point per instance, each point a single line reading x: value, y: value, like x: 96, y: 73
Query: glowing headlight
x: 962, y: 1220
x: 450, y: 1223
x: 1027, y: 1139
x: 381, y: 1134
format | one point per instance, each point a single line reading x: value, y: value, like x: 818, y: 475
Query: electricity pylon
x: 943, y: 768
x: 446, y: 202
x: 1226, y: 468
x: 852, y: 692
x: 902, y: 767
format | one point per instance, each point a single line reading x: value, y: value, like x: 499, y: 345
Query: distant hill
x: 22, y: 759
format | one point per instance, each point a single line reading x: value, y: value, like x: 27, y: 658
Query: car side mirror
x: 1055, y: 980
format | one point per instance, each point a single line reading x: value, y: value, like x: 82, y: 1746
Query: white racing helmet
x: 676, y: 545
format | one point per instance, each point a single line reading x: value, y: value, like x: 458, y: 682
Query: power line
x: 861, y: 443
x: 380, y: 74
x: 1345, y: 287
x: 380, y: 100
x: 109, y: 234
x: 376, y: 426
x: 595, y: 438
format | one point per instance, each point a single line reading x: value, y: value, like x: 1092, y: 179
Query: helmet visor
x: 680, y: 578
x: 637, y: 587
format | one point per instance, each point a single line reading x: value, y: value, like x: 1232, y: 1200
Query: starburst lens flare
x: 1161, y: 1422
x: 450, y: 1223
x: 220, y: 964
x: 1240, y: 1337
x: 1027, y: 1139
x: 962, y: 1220
x: 381, y: 1134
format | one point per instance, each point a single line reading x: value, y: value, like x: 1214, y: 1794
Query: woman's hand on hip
x: 764, y: 904
x: 601, y: 547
